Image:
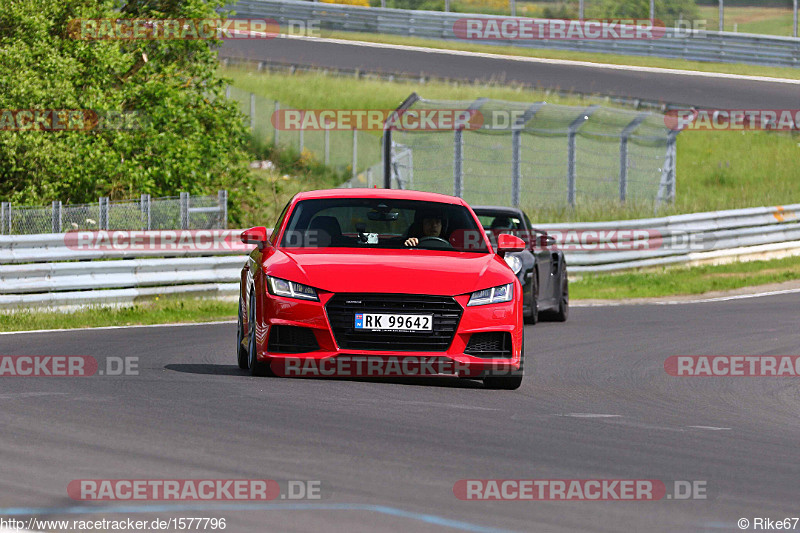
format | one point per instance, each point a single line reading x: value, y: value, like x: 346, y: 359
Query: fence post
x: 103, y: 222
x: 458, y: 162
x: 327, y: 146
x: 514, y: 8
x: 222, y: 198
x: 275, y: 130
x: 144, y: 206
x: 387, y: 159
x: 302, y: 141
x: 355, y: 153
x: 516, y: 157
x: 5, y: 218
x: 252, y: 112
x: 666, y: 187
x: 571, y: 153
x: 56, y: 218
x: 623, y: 154
x: 184, y: 210
x: 228, y: 92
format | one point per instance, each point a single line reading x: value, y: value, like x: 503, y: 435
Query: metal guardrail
x: 688, y: 239
x: 692, y: 45
x: 117, y: 267
x: 44, y: 280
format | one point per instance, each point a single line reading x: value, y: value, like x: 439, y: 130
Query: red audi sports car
x: 377, y: 282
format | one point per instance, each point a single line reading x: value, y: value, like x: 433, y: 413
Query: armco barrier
x: 725, y: 47
x: 117, y: 267
x: 713, y: 236
x: 42, y: 270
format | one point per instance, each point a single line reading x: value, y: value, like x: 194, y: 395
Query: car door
x: 544, y: 261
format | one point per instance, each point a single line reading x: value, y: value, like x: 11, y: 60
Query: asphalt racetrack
x: 596, y: 404
x: 698, y: 90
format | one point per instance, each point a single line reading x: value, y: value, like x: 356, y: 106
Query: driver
x: 429, y: 224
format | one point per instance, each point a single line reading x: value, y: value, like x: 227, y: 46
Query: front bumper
x: 449, y: 358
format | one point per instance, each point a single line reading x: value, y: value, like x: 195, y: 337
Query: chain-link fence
x: 350, y: 151
x: 538, y: 155
x: 176, y: 212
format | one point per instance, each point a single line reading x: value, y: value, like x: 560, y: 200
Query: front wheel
x: 241, y: 352
x: 563, y: 304
x: 257, y: 368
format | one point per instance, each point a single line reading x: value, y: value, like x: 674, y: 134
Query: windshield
x: 381, y: 224
x: 497, y: 222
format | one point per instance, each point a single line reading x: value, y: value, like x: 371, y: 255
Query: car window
x: 380, y: 223
x: 278, y: 223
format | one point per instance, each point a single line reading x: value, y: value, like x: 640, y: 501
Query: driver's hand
x: 413, y: 241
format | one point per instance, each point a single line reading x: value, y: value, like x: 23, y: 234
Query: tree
x: 188, y: 137
x: 667, y: 11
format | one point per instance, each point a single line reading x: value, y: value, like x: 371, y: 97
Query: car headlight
x: 514, y: 262
x: 291, y: 289
x: 503, y: 293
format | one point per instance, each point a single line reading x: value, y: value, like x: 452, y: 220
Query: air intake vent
x: 291, y: 339
x: 490, y: 344
x: 446, y: 313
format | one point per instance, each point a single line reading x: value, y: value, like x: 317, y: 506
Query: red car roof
x: 394, y: 194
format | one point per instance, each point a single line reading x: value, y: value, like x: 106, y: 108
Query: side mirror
x: 256, y: 235
x: 546, y: 240
x: 509, y: 243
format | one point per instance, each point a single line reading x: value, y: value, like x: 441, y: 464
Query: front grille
x: 445, y: 310
x: 489, y: 344
x: 291, y: 339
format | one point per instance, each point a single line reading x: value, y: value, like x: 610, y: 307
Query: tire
x: 563, y: 304
x: 533, y: 317
x: 562, y: 313
x: 511, y: 382
x: 241, y: 352
x: 257, y: 368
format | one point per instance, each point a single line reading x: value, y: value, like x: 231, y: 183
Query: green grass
x: 716, y: 169
x: 544, y: 53
x: 763, y: 20
x: 157, y: 311
x: 684, y: 280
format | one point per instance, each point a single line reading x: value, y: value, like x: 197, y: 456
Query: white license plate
x: 393, y: 322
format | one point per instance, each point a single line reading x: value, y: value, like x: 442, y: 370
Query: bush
x: 191, y: 139
x: 667, y: 11
x: 562, y: 12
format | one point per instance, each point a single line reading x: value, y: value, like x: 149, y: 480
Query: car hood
x: 391, y: 271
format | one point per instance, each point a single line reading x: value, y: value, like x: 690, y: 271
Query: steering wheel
x: 436, y: 240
